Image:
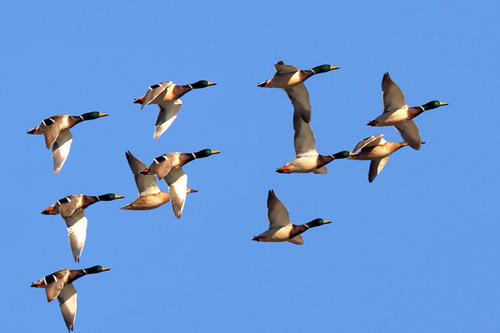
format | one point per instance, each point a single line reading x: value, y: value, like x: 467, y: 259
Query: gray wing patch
x: 300, y: 100
x: 392, y: 96
x: 276, y: 211
x: 154, y: 91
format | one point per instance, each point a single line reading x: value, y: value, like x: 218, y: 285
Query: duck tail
x: 139, y: 100
x: 32, y: 131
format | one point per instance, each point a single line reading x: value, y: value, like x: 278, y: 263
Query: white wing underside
x: 67, y: 304
x: 392, y: 96
x: 371, y: 141
x: 77, y: 232
x: 297, y: 240
x: 166, y: 116
x: 146, y: 184
x: 376, y: 166
x: 177, y: 185
x: 61, y: 148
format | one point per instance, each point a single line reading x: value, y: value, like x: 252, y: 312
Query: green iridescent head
x: 205, y: 153
x: 433, y: 104
x: 342, y: 154
x: 109, y: 197
x: 323, y: 68
x: 95, y: 269
x: 202, y: 84
x: 92, y: 115
x: 317, y: 223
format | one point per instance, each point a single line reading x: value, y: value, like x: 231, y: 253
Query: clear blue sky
x: 415, y: 251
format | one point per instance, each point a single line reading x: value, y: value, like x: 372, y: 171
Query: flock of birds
x: 169, y: 166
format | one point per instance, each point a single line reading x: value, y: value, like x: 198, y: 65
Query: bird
x: 169, y: 167
x: 60, y: 284
x: 150, y: 196
x: 57, y: 134
x: 292, y: 79
x: 166, y: 95
x: 71, y: 210
x: 280, y: 227
x: 398, y: 114
x: 377, y: 150
x: 307, y: 158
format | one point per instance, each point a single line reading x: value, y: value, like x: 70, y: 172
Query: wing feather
x: 303, y: 139
x: 276, y: 211
x: 146, y: 184
x: 409, y: 131
x: 375, y: 167
x: 77, y: 232
x: 177, y: 185
x: 371, y: 141
x: 61, y: 148
x: 154, y: 91
x: 392, y: 96
x: 67, y: 304
x: 166, y: 116
x: 300, y: 100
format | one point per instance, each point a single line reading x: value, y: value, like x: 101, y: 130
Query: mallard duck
x: 398, y: 114
x: 307, y: 158
x: 166, y: 95
x: 59, y: 284
x: 57, y: 134
x: 280, y: 227
x: 71, y: 210
x: 292, y: 80
x: 377, y: 150
x: 150, y: 196
x: 169, y: 167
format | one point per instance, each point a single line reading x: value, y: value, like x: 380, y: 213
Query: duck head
x: 323, y: 68
x: 109, y: 197
x: 202, y: 84
x: 317, y: 222
x: 343, y: 154
x: 433, y: 104
x: 95, y: 269
x: 92, y: 115
x: 205, y: 153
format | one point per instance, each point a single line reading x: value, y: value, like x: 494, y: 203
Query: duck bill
x: 103, y: 114
x: 334, y: 67
x: 191, y: 190
x: 105, y: 269
x: 215, y: 152
x: 353, y: 154
x: 119, y: 196
x: 327, y: 221
x: 211, y: 84
x: 442, y: 103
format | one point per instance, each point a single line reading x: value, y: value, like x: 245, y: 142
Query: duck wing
x: 392, y: 96
x: 276, y: 212
x: 177, y: 184
x: 376, y: 166
x: 50, y: 128
x: 161, y: 166
x: 67, y: 303
x: 77, y: 232
x: 146, y: 184
x: 297, y: 240
x: 281, y: 68
x: 300, y: 99
x: 409, y: 131
x: 154, y: 91
x: 303, y: 138
x: 167, y: 115
x: 55, y: 283
x: 61, y: 148
x: 371, y: 141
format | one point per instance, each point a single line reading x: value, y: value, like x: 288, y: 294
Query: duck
x: 377, y: 150
x: 307, y: 158
x: 166, y: 95
x: 169, y: 167
x: 150, y: 196
x: 60, y: 284
x: 292, y: 79
x: 55, y: 129
x: 280, y: 227
x: 71, y: 209
x: 398, y: 114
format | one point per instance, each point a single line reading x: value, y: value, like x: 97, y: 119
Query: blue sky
x: 415, y: 251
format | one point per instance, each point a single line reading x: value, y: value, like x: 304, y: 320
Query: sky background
x: 415, y: 251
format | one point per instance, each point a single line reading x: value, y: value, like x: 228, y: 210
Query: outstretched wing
x: 167, y: 115
x: 60, y: 149
x: 281, y: 68
x: 67, y: 303
x: 276, y: 211
x: 154, y: 91
x: 303, y: 139
x: 409, y: 131
x: 391, y: 94
x: 371, y: 141
x: 376, y: 166
x: 297, y: 240
x: 177, y: 185
x: 300, y: 99
x: 146, y: 184
x: 77, y: 232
